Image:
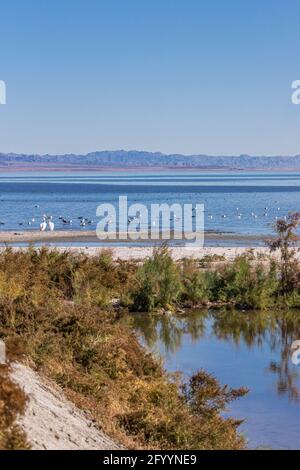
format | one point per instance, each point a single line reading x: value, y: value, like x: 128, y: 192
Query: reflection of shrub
x: 158, y: 282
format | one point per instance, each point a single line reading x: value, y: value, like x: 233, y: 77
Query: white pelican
x: 51, y: 224
x: 43, y: 226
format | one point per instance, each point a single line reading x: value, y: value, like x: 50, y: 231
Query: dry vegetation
x: 12, y: 404
x: 59, y: 311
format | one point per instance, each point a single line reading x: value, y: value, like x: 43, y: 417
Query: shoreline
x: 41, y: 168
x: 86, y: 236
x: 127, y: 251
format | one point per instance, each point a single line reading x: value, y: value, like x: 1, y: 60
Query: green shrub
x: 195, y: 289
x: 244, y: 284
x: 158, y: 283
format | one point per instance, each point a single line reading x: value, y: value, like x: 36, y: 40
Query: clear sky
x: 186, y: 76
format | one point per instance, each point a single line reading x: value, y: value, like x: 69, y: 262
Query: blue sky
x: 187, y: 76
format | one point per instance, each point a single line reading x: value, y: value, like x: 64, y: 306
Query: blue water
x: 74, y: 194
x: 240, y: 349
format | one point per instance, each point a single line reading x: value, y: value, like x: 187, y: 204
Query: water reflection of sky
x: 240, y: 349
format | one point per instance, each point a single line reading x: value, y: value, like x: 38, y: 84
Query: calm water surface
x: 241, y: 349
x: 28, y: 195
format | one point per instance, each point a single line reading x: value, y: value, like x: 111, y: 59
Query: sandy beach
x: 124, y: 252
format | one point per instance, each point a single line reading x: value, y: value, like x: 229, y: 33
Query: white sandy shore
x: 140, y: 253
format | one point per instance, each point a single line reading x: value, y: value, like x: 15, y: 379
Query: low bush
x: 158, y: 283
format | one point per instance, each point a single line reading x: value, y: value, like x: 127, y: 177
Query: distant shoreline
x: 75, y: 169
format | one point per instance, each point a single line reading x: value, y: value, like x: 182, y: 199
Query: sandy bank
x: 51, y: 422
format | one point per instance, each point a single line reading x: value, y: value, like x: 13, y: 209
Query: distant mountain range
x: 119, y: 159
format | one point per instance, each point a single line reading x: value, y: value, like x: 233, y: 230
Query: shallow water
x: 251, y: 349
x: 74, y: 194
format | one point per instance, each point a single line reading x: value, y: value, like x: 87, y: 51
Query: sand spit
x: 82, y: 236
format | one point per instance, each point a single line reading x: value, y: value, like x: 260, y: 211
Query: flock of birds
x: 239, y: 215
x: 47, y: 221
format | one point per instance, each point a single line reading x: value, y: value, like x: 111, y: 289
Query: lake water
x: 251, y: 349
x: 75, y: 194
